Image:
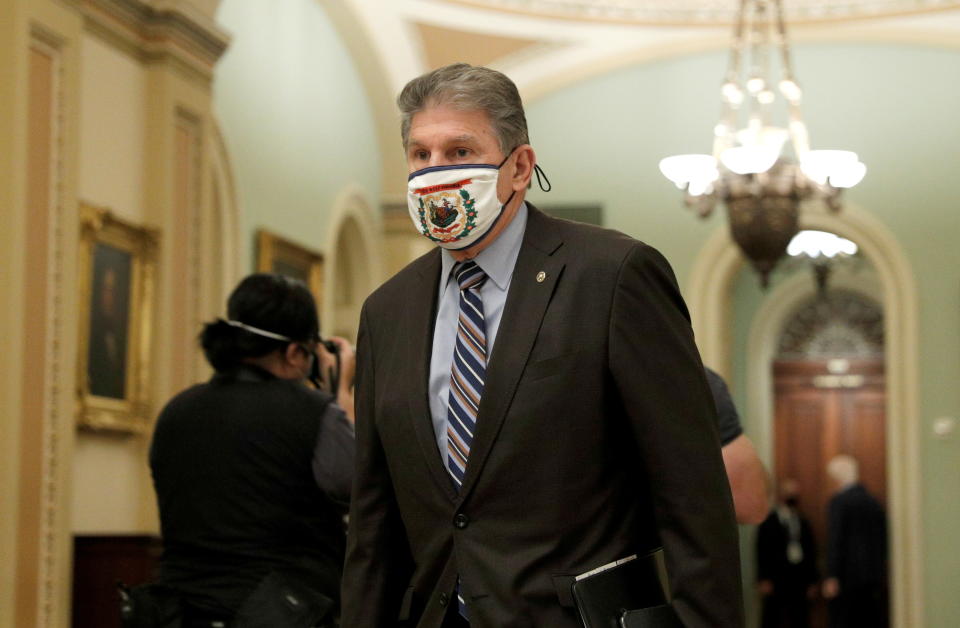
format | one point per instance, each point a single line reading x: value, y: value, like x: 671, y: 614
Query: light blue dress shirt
x: 497, y: 261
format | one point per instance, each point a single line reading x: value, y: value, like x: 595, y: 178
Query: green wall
x: 295, y: 119
x: 897, y: 106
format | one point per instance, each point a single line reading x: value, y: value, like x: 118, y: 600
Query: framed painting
x: 279, y: 255
x: 117, y: 274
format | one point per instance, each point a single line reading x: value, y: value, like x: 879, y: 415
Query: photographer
x: 253, y: 469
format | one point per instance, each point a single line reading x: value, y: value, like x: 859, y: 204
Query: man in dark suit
x: 856, y: 550
x: 530, y: 401
x: 786, y: 562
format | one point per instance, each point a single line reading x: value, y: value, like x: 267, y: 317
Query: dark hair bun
x: 270, y: 302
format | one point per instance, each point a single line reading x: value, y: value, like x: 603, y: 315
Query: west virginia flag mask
x: 455, y: 206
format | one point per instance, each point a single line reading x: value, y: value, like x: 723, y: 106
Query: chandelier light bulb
x: 769, y: 137
x: 749, y: 159
x: 699, y: 187
x: 849, y: 176
x: 841, y: 168
x: 790, y: 90
x: 732, y: 93
x: 755, y: 85
x: 693, y: 172
x: 765, y: 97
x: 813, y: 244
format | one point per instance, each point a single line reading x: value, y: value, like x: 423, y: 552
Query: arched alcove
x: 709, y: 298
x: 353, y: 262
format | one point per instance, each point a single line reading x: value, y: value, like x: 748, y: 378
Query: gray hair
x: 468, y: 87
x: 844, y: 469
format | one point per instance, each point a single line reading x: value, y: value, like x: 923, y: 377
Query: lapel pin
x: 541, y: 276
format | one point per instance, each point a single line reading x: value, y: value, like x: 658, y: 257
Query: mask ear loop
x: 537, y: 170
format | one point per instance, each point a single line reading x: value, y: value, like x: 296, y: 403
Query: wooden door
x: 825, y: 408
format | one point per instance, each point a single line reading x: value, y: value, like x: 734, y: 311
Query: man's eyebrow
x: 464, y: 138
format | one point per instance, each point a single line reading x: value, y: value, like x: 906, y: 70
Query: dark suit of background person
x: 786, y: 563
x: 252, y: 469
x: 595, y: 440
x: 745, y: 471
x: 856, y: 555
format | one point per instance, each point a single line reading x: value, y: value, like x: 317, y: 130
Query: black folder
x: 604, y: 594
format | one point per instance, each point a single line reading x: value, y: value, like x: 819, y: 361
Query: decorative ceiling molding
x: 160, y: 28
x: 442, y: 46
x: 702, y: 12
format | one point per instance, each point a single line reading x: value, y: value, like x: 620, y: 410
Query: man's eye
x: 421, y: 154
x: 463, y: 152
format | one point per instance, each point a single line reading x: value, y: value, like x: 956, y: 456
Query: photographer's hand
x: 348, y: 368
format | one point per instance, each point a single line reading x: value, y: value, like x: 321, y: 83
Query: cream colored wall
x: 110, y: 483
x: 92, y: 94
x: 110, y: 479
x: 113, y: 94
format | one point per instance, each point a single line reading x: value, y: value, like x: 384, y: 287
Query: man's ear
x: 290, y: 353
x: 526, y: 159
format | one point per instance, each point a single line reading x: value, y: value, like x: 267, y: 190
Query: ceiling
x: 697, y: 11
x: 546, y: 44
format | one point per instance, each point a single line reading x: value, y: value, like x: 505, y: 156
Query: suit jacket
x: 857, y: 545
x: 773, y: 538
x: 596, y: 439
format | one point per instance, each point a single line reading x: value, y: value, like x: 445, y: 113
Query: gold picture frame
x: 276, y: 254
x: 117, y: 278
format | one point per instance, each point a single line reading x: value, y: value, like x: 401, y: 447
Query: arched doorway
x: 354, y: 263
x: 830, y: 399
x: 708, y: 295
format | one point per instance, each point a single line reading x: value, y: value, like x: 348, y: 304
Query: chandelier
x: 750, y: 170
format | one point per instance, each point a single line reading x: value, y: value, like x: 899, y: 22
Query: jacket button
x: 443, y: 599
x: 461, y: 521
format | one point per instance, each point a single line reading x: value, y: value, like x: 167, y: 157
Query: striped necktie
x: 468, y: 370
x: 467, y: 374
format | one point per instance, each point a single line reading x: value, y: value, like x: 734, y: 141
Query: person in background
x: 786, y: 562
x: 856, y: 550
x: 745, y: 471
x: 253, y: 468
x: 531, y: 404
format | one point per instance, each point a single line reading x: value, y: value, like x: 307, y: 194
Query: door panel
x: 818, y: 415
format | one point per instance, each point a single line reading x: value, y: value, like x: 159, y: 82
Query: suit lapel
x: 523, y: 313
x: 418, y: 329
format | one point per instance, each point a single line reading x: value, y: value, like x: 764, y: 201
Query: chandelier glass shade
x: 821, y: 250
x: 760, y: 170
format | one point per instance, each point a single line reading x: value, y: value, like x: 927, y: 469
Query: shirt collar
x: 498, y: 259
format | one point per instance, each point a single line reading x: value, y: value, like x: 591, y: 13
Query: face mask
x: 313, y: 371
x: 455, y: 206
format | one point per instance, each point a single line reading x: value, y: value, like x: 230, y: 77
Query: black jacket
x: 857, y: 543
x: 232, y: 463
x: 596, y: 438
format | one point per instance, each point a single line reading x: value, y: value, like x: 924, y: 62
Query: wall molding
x: 173, y: 30
x: 351, y: 205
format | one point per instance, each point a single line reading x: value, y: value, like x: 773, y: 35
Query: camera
x: 329, y: 381
x: 333, y: 374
